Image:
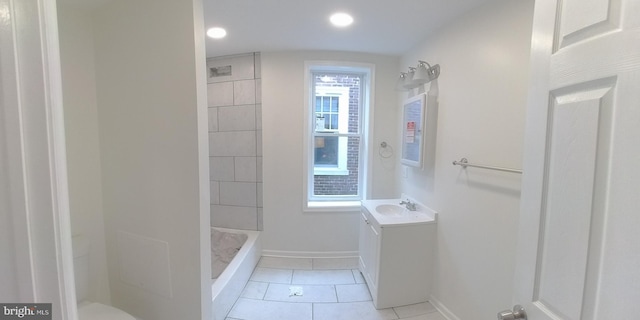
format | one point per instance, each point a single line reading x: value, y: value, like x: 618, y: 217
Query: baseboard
x: 310, y: 254
x: 442, y: 308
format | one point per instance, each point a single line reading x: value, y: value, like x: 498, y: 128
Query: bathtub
x: 226, y: 289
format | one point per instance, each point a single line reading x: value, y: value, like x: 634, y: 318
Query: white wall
x: 83, y: 150
x: 286, y: 226
x: 482, y: 96
x: 151, y: 90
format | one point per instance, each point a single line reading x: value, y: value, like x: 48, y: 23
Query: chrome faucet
x: 409, y: 205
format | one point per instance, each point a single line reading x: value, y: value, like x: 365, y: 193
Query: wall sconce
x: 415, y: 77
x: 401, y: 81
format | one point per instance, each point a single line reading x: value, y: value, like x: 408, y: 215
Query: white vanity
x: 396, y: 251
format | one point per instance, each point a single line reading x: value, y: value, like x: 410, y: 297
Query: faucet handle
x: 411, y: 206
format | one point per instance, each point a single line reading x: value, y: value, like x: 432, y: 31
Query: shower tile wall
x: 235, y: 141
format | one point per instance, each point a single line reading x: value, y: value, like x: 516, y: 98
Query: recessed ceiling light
x: 341, y: 19
x: 216, y: 33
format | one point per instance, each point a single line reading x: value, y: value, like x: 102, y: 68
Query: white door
x: 579, y: 239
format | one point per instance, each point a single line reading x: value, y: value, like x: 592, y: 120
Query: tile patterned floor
x: 333, y: 289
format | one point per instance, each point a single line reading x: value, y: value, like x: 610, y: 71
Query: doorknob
x: 516, y: 314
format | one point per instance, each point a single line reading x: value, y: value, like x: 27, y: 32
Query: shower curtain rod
x: 464, y: 163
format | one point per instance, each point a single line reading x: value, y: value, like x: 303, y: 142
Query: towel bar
x: 464, y: 163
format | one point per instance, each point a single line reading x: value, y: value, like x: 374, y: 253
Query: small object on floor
x: 295, y: 291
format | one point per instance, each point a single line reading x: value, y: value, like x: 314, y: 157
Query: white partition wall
x: 75, y: 27
x: 151, y: 91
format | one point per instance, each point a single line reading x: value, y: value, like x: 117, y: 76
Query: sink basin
x: 389, y: 212
x: 390, y: 209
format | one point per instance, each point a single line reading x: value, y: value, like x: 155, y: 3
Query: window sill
x: 330, y: 172
x: 332, y: 206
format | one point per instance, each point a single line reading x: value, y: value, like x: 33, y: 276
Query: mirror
x: 412, y: 130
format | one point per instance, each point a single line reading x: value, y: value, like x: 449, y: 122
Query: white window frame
x: 312, y: 203
x: 343, y: 127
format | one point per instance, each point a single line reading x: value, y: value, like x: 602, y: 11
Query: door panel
x: 579, y: 125
x: 584, y: 19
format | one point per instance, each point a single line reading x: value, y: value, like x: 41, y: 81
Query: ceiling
x: 381, y: 26
x: 390, y: 27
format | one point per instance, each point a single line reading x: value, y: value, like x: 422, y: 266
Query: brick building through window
x: 337, y: 135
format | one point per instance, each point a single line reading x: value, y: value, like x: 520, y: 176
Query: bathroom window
x: 336, y: 114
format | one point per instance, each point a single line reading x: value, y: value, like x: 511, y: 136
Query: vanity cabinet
x: 396, y: 260
x: 369, y: 250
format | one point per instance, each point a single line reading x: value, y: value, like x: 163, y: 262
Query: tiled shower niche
x: 235, y: 141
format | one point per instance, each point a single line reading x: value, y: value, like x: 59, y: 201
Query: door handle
x: 517, y: 313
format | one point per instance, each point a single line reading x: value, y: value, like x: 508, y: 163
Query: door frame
x: 534, y: 161
x: 34, y: 143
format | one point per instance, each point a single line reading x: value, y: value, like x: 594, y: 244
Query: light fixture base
x: 418, y: 76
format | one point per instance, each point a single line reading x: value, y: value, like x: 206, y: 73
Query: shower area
x: 235, y: 166
x: 235, y: 141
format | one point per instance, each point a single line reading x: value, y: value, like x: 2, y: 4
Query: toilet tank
x: 81, y: 246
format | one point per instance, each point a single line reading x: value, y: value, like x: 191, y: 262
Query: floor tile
x: 272, y: 275
x: 350, y: 311
x: 328, y: 294
x: 255, y: 290
x: 357, y: 275
x: 414, y: 309
x: 353, y: 292
x: 428, y: 316
x: 323, y: 277
x: 285, y: 263
x: 311, y: 293
x: 250, y: 309
x: 334, y: 263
